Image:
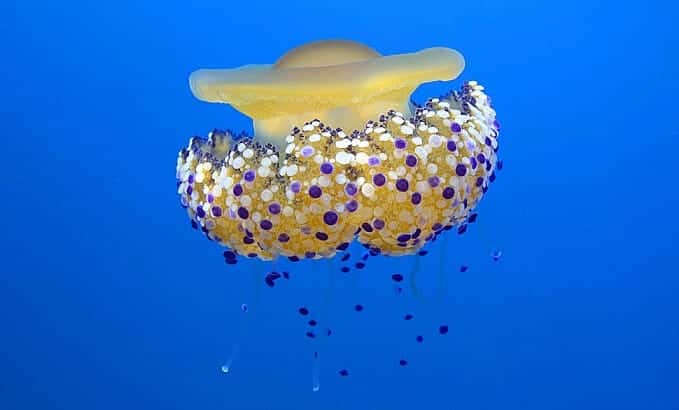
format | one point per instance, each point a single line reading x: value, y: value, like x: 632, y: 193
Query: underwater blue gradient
x: 109, y: 300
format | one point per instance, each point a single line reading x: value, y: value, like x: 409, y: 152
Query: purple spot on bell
x: 200, y: 211
x: 350, y: 189
x: 461, y: 170
x: 352, y: 205
x: 367, y: 227
x: 451, y: 145
x: 373, y: 161
x: 284, y: 237
x: 243, y: 213
x: 448, y: 193
x: 403, y: 237
x: 249, y: 175
x: 472, y: 161
x: 216, y: 211
x: 379, y: 179
x: 295, y: 186
x: 400, y: 143
x: 416, y: 198
x: 265, y: 224
x: 455, y: 127
x: 402, y: 185
x: 411, y: 160
x: 433, y: 181
x: 210, y: 198
x: 326, y: 168
x: 378, y: 224
x: 237, y: 189
x: 274, y: 208
x: 330, y: 217
x: 481, y: 157
x: 191, y: 179
x: 315, y: 191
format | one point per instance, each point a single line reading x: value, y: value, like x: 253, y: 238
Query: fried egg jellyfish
x: 339, y: 154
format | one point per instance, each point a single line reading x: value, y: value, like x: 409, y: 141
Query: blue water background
x: 109, y: 300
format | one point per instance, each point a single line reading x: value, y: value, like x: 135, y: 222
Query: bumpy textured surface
x: 394, y: 185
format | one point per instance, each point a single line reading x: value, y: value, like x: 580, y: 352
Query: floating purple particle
x: 499, y: 164
x: 310, y: 335
x: 303, y: 311
x: 462, y: 229
x: 472, y: 218
x: 403, y: 362
x: 269, y: 281
x: 419, y: 339
x: 358, y: 308
x: 464, y: 268
x: 422, y: 252
x: 345, y: 257
x: 216, y: 211
x: 496, y: 255
x: 229, y: 255
x: 345, y: 269
x: 360, y: 265
x: 244, y: 308
x: 344, y: 372
x: 286, y: 275
x: 329, y: 332
x: 408, y: 317
x: 397, y: 277
x: 312, y: 323
x: 443, y: 329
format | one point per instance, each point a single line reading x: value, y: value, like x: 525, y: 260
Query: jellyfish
x: 339, y: 154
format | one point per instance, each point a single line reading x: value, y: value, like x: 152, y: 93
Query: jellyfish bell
x: 340, y: 82
x: 338, y: 154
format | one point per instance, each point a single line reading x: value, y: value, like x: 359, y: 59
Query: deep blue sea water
x: 109, y: 300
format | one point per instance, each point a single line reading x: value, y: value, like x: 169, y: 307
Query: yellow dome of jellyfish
x: 339, y: 153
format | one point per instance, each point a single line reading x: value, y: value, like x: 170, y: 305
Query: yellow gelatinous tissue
x: 339, y: 154
x: 341, y: 82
